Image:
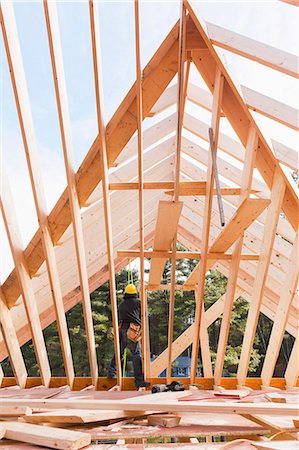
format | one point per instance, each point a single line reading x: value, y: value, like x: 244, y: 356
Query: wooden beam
x: 186, y: 338
x: 291, y: 2
x: 66, y: 139
x: 292, y: 370
x: 181, y: 255
x: 95, y: 36
x: 153, y: 402
x: 58, y: 438
x: 235, y: 263
x: 157, y: 75
x: 215, y: 123
x: 182, y: 88
x: 143, y: 297
x: 256, y: 51
x: 273, y: 213
x: 16, y: 247
x: 247, y: 212
x: 279, y: 325
x: 12, y: 344
x: 238, y: 114
x: 167, y: 221
x: 14, y: 57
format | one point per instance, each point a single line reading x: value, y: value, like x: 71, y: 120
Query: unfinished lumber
x: 164, y: 420
x: 182, y: 86
x: 95, y: 38
x: 292, y: 370
x: 160, y: 402
x: 57, y: 438
x: 139, y: 114
x: 78, y: 416
x: 11, y: 342
x: 238, y: 114
x: 182, y: 255
x: 67, y: 146
x: 166, y: 225
x: 16, y: 245
x: 248, y: 168
x: 215, y: 123
x: 248, y: 211
x: 276, y: 445
x: 286, y: 297
x: 277, y: 195
x: 14, y: 57
x: 254, y: 50
x: 15, y: 411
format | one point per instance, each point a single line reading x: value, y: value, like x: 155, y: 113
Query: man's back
x: 130, y: 310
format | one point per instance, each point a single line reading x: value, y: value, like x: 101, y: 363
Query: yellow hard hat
x: 131, y: 289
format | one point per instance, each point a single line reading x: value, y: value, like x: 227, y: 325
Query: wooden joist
x: 247, y: 212
x: 14, y: 57
x: 181, y: 255
x: 56, y: 438
x: 66, y: 140
x: 160, y: 402
x: 166, y: 226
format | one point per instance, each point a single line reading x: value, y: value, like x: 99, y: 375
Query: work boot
x: 143, y: 384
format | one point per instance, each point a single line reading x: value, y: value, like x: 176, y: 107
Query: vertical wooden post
x: 66, y: 138
x: 216, y: 110
x: 249, y: 163
x: 14, y: 58
x: 140, y: 189
x: 277, y: 194
x: 16, y: 246
x: 286, y: 297
x: 12, y: 344
x: 182, y: 89
x: 95, y: 36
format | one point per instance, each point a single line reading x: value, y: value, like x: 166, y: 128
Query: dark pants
x: 135, y: 348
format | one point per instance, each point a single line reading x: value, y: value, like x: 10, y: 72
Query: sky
x: 271, y: 22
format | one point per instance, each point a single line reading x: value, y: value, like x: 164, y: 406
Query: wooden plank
x: 215, y: 123
x: 273, y: 213
x: 50, y: 437
x: 14, y: 57
x: 75, y: 416
x: 16, y: 246
x: 182, y: 87
x: 238, y: 114
x: 160, y: 402
x: 11, y: 342
x: 276, y: 445
x: 14, y: 411
x: 157, y: 75
x: 95, y: 36
x: 66, y: 139
x: 279, y: 325
x: 256, y: 51
x: 143, y: 297
x: 286, y: 155
x: 235, y: 263
x: 292, y: 370
x: 167, y: 221
x: 291, y: 2
x: 181, y: 255
x: 247, y: 212
x: 271, y: 108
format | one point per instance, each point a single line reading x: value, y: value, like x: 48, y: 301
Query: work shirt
x: 129, y: 310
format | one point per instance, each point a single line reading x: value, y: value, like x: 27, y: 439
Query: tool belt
x: 134, y: 332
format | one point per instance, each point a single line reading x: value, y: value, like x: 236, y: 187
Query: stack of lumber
x: 61, y: 419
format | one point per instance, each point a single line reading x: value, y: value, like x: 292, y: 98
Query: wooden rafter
x: 11, y: 342
x: 215, y: 122
x: 16, y: 246
x: 14, y: 58
x: 66, y: 138
x: 95, y: 37
x: 182, y: 87
x: 238, y: 114
x: 235, y: 262
x: 273, y: 213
